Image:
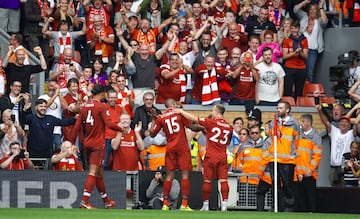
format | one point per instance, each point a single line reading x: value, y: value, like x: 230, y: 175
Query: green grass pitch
x: 36, y: 213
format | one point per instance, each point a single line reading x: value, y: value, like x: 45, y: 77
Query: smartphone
x: 317, y: 100
x: 22, y: 153
x: 12, y: 118
x: 71, y: 64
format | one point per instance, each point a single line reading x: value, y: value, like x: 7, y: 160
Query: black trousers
x: 261, y: 191
x: 305, y: 195
x: 286, y: 197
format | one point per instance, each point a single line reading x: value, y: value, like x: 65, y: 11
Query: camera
x: 12, y: 117
x: 22, y: 153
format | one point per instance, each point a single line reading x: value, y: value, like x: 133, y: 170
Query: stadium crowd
x: 131, y: 55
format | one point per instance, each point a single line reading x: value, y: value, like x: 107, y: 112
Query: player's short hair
x: 97, y: 89
x: 220, y: 108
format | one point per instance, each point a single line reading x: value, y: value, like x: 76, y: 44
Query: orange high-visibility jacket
x: 286, y: 144
x: 153, y: 157
x: 308, y: 154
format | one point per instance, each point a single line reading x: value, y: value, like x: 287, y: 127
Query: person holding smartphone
x: 12, y: 130
x: 18, y: 159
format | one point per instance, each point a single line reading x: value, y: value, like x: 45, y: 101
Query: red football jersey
x: 218, y: 135
x: 127, y: 155
x: 94, y: 115
x: 70, y: 163
x: 173, y: 125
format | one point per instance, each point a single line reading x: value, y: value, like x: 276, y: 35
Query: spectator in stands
x: 354, y: 91
x: 235, y: 39
x: 259, y: 25
x: 254, y: 43
x: 74, y: 98
x: 197, y: 14
x: 112, y: 83
x: 145, y: 62
x: 172, y: 81
x: 235, y: 57
x: 85, y: 84
x: 66, y: 159
x: 276, y: 13
x: 122, y: 16
x: 125, y: 66
x: 238, y: 124
x: 354, y: 70
x: 98, y: 8
x: 16, y: 40
x: 231, y: 18
x: 155, y: 194
x: 125, y: 96
x: 10, y: 16
x: 54, y: 107
x: 99, y: 76
x: 41, y: 128
x: 155, y: 11
x: 295, y: 50
x: 12, y: 129
x: 245, y: 13
x: 341, y: 137
x: 63, y: 38
x: 65, y: 70
x: 19, y: 103
x: 351, y: 164
x: 143, y: 113
x: 271, y: 80
x: 101, y: 39
x: 269, y: 42
x: 206, y: 47
x: 18, y: 71
x: 246, y: 77
x: 114, y: 112
x: 36, y: 12
x: 205, y: 90
x: 312, y: 25
x: 127, y: 145
x: 63, y: 12
x: 18, y: 159
x: 308, y: 157
x: 284, y: 31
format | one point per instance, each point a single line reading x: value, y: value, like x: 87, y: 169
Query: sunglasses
x: 254, y: 133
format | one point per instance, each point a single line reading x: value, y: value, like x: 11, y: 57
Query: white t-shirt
x: 53, y: 110
x: 268, y: 86
x: 340, y: 144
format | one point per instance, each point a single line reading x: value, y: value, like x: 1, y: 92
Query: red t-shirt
x: 21, y: 164
x: 94, y: 115
x: 173, y: 125
x: 70, y: 163
x: 295, y: 61
x: 218, y: 135
x: 242, y: 43
x: 127, y: 155
x: 114, y: 113
x: 245, y: 85
x: 169, y: 88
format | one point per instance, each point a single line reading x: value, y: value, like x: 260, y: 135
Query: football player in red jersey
x: 177, y: 150
x: 218, y: 136
x: 95, y: 116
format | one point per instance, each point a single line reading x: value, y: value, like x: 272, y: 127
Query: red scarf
x: 210, y: 92
x: 44, y: 7
x: 100, y: 47
x: 63, y: 45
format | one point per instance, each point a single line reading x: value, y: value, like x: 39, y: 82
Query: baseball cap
x: 255, y: 114
x: 345, y: 117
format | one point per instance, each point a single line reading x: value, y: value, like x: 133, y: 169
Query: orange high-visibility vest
x: 153, y: 157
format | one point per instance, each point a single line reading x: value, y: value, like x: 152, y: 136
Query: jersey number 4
x: 217, y: 132
x: 89, y: 118
x: 172, y: 125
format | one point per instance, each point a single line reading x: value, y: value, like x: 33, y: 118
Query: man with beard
x: 289, y: 130
x: 41, y: 128
x: 259, y: 25
x: 271, y: 80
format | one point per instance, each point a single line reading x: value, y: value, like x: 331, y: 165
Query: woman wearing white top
x: 312, y: 25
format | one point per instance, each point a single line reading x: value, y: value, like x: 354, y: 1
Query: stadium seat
x: 289, y: 99
x: 305, y: 101
x: 310, y: 88
x: 328, y: 100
